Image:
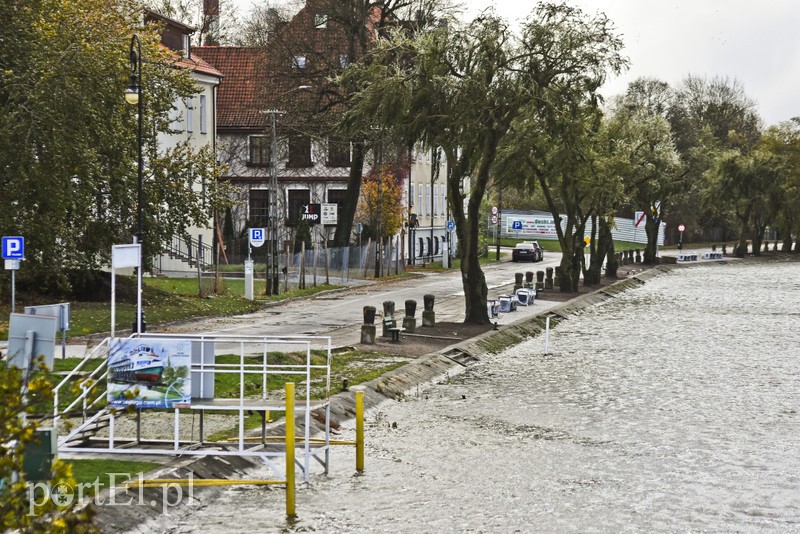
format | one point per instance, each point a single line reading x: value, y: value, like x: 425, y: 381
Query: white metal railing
x: 99, y: 352
x: 262, y: 347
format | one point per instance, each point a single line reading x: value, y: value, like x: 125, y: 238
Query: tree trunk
x: 651, y: 249
x: 347, y: 209
x: 611, y: 263
x: 598, y: 247
x: 787, y: 243
x: 571, y: 255
x: 467, y: 230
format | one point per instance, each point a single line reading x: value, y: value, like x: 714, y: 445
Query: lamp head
x: 132, y: 92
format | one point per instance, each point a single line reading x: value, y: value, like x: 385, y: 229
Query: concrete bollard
x: 517, y: 281
x: 539, y: 280
x: 548, y: 279
x: 410, y: 321
x: 368, y: 328
x: 529, y: 279
x: 638, y: 258
x: 428, y: 315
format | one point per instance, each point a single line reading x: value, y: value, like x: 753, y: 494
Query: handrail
x: 186, y: 249
x: 75, y: 371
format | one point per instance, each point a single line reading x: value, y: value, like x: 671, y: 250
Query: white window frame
x: 421, y: 206
x: 411, y: 196
x: 189, y: 115
x: 203, y: 111
x: 427, y: 198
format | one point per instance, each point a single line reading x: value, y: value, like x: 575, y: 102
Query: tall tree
x: 466, y: 89
x: 68, y: 140
x: 645, y: 154
x: 784, y: 141
x: 555, y: 135
x: 746, y: 184
x: 708, y: 117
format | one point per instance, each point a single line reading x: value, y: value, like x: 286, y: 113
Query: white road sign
x: 257, y: 237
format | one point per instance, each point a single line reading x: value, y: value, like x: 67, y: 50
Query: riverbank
x: 439, y: 365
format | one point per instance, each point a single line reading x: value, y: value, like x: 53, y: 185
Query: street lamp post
x: 134, y: 95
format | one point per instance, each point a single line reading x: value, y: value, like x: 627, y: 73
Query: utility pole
x: 378, y: 237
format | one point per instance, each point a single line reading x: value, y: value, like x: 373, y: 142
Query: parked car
x: 527, y: 252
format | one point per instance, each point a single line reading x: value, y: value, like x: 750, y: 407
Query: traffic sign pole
x: 13, y: 248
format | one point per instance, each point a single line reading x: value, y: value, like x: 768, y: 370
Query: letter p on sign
x: 13, y: 248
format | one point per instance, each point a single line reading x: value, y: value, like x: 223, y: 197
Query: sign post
x: 255, y: 238
x: 13, y: 252
x: 122, y: 257
x: 446, y: 254
x: 681, y: 228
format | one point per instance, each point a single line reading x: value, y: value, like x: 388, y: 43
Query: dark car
x: 527, y: 252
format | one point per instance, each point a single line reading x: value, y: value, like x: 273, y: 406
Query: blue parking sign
x: 257, y: 237
x: 516, y: 225
x: 13, y: 248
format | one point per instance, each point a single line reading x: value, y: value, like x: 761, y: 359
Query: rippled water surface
x: 673, y: 407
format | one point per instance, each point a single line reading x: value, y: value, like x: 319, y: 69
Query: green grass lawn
x: 164, y: 300
x: 90, y: 470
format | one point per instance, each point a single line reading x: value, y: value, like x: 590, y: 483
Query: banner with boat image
x: 149, y: 372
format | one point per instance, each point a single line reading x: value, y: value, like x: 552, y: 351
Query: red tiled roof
x: 196, y: 64
x: 240, y: 96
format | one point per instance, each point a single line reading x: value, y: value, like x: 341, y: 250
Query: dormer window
x: 185, y: 45
x: 320, y: 21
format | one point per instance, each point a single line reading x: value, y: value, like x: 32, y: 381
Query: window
x: 259, y: 146
x: 338, y: 153
x: 320, y: 21
x: 258, y: 215
x: 435, y: 200
x: 421, y: 203
x: 443, y: 192
x: 427, y: 198
x: 189, y: 115
x: 299, y: 151
x: 297, y: 199
x: 337, y: 196
x: 411, y: 196
x: 203, y: 121
x: 299, y: 62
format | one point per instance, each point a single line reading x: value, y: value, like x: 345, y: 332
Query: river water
x: 673, y: 407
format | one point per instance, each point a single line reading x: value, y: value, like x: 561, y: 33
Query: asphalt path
x: 339, y: 313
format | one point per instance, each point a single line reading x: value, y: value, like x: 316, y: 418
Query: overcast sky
x: 755, y: 41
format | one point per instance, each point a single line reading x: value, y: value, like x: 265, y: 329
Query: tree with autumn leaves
x: 390, y: 200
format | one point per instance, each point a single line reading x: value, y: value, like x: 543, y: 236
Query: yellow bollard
x: 290, y: 513
x: 360, y: 431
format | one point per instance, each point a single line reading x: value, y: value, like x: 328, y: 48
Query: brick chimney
x: 211, y: 22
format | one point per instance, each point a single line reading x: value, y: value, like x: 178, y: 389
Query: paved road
x: 339, y: 314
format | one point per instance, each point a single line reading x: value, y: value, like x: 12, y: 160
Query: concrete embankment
x: 392, y: 386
